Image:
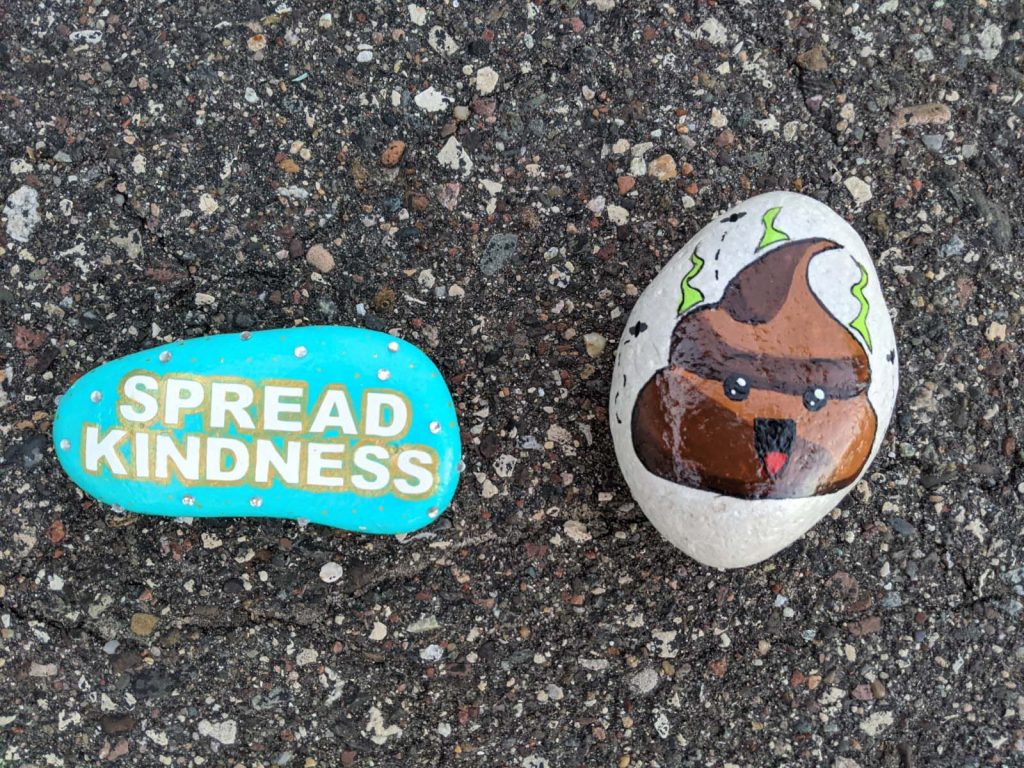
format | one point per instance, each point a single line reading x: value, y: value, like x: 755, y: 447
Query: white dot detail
x: 188, y: 501
x: 741, y: 382
x: 435, y: 427
x: 433, y: 512
x: 820, y: 394
x: 255, y: 502
x: 393, y: 346
x: 96, y: 396
x: 460, y: 467
x: 383, y: 374
x: 65, y: 444
x: 301, y: 352
x: 246, y: 335
x: 165, y: 356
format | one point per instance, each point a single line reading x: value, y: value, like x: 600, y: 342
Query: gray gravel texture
x: 168, y: 165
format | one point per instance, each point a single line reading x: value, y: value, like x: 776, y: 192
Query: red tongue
x: 774, y: 461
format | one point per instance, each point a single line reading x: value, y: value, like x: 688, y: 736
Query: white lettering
x: 274, y: 408
x: 229, y: 397
x: 187, y: 463
x: 410, y: 462
x: 141, y: 449
x: 317, y: 463
x: 287, y: 468
x: 135, y: 390
x: 216, y: 466
x: 97, y: 450
x: 182, y: 395
x: 377, y: 405
x: 335, y: 411
x: 372, y: 459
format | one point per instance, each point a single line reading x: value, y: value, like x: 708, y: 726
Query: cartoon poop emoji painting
x: 765, y: 394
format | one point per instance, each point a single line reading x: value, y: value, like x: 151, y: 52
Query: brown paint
x: 759, y: 291
x: 701, y: 345
x: 771, y: 329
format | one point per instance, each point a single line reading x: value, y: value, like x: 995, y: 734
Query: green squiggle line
x: 771, y: 234
x: 691, y: 296
x: 860, y: 322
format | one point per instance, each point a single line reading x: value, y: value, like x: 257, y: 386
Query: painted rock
x: 754, y: 381
x: 340, y: 426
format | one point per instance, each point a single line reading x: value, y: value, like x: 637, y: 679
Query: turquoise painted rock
x: 340, y: 426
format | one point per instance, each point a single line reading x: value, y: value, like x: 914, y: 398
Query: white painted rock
x: 754, y: 381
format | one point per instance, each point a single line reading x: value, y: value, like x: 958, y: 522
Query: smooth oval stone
x: 754, y: 381
x: 341, y: 426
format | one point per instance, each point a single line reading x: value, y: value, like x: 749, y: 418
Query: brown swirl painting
x: 764, y: 394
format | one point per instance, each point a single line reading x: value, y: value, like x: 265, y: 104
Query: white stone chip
x: 380, y: 733
x: 225, y: 731
x: 577, y: 531
x: 617, y: 215
x: 859, y: 189
x: 207, y: 203
x: 423, y: 624
x: 22, y: 213
x: 439, y: 39
x: 991, y: 41
x: 432, y: 100
x: 713, y: 31
x: 595, y: 344
x: 644, y: 681
x: 331, y: 572
x: 486, y: 80
x: 996, y: 331
x: 876, y: 722
x: 432, y: 652
x: 417, y: 14
x: 453, y: 156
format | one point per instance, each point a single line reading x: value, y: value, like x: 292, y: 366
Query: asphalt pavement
x: 489, y: 181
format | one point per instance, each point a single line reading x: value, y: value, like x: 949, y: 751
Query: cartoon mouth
x: 774, y: 461
x: 773, y: 440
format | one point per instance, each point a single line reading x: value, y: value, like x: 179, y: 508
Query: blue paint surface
x: 355, y: 360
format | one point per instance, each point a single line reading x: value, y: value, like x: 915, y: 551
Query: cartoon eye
x: 815, y: 398
x: 736, y: 387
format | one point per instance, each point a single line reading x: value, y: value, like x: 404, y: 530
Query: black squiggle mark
x: 639, y: 328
